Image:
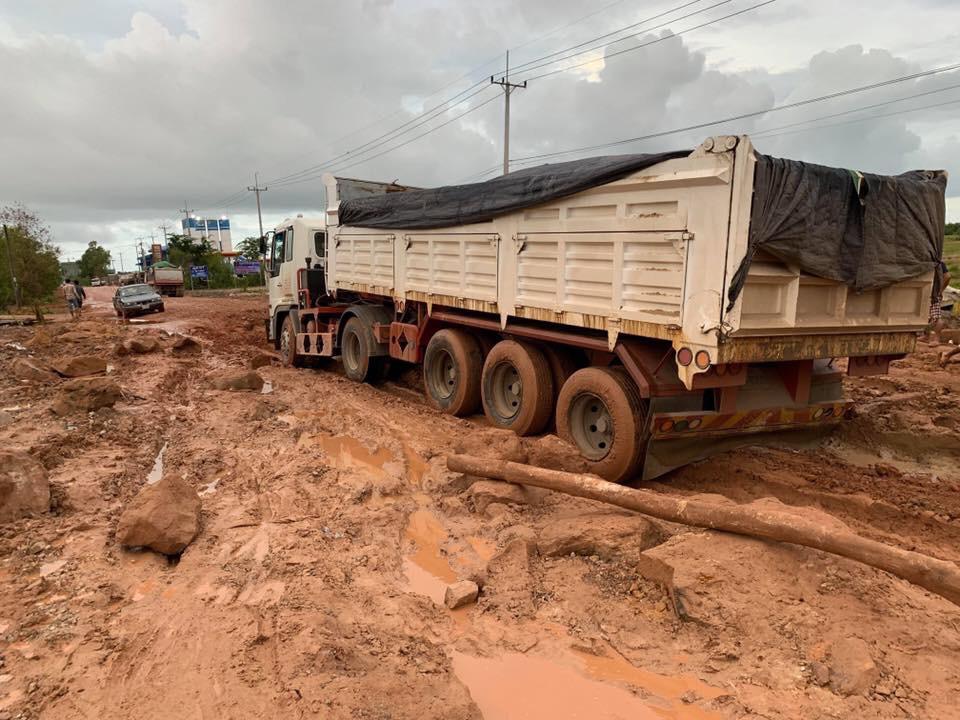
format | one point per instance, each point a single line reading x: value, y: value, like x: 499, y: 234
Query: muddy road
x: 331, y: 529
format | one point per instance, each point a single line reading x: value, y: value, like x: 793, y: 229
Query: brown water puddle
x: 428, y: 572
x: 576, y: 685
x: 348, y: 451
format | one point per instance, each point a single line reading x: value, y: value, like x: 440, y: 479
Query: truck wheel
x: 288, y: 344
x: 356, y: 344
x: 452, y: 366
x: 600, y: 412
x: 517, y: 388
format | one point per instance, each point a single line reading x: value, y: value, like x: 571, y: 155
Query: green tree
x: 249, y: 247
x: 35, y: 259
x: 184, y: 250
x: 95, y: 261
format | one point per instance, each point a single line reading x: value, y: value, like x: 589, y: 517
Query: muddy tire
x: 517, y: 387
x: 288, y: 344
x: 452, y: 366
x: 600, y: 412
x: 356, y: 344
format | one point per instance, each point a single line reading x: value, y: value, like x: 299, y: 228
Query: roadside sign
x: 247, y: 267
x: 199, y: 272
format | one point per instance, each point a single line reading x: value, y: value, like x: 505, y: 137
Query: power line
x: 743, y: 116
x: 650, y: 42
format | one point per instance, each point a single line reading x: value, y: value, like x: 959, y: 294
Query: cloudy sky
x: 118, y: 112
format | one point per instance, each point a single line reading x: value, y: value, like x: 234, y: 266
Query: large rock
x: 32, y: 370
x: 24, y: 488
x: 460, y: 594
x: 852, y: 669
x: 263, y: 359
x: 164, y: 517
x: 81, y: 366
x: 185, y: 345
x: 248, y: 380
x: 86, y: 394
x: 137, y: 346
x: 605, y: 535
x: 487, y: 492
x: 508, y: 582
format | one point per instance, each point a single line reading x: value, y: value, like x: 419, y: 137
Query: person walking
x: 72, y: 298
x: 81, y: 295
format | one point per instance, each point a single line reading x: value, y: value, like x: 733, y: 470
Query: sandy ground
x: 331, y: 528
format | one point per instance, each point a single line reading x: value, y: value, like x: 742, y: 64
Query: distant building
x: 70, y: 269
x: 217, y: 231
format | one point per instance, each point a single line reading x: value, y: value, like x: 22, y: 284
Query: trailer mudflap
x: 677, y: 438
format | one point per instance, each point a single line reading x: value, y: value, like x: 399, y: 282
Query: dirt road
x: 330, y: 529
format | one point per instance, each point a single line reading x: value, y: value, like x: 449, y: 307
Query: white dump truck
x: 653, y: 309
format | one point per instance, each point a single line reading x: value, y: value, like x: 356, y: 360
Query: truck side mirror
x: 263, y: 245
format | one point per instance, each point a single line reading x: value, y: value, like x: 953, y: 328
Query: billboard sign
x: 247, y: 267
x: 198, y: 272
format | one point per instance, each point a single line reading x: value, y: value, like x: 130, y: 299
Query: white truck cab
x: 297, y: 244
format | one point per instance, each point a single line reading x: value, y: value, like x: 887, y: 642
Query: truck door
x: 281, y: 267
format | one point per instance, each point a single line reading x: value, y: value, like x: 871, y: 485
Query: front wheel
x: 600, y: 412
x: 288, y: 344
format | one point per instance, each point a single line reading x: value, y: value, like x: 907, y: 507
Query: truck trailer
x: 166, y: 279
x: 653, y: 309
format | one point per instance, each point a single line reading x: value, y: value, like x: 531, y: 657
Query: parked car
x: 96, y: 282
x: 136, y: 299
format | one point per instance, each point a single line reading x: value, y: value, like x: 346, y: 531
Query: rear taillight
x: 684, y: 356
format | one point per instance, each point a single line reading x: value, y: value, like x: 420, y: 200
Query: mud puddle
x: 428, y: 571
x: 348, y: 452
x: 578, y: 685
x: 157, y: 471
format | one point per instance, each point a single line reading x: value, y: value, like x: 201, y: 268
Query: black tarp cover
x: 480, y: 202
x: 866, y: 231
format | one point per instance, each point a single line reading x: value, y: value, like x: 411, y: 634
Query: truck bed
x: 651, y: 254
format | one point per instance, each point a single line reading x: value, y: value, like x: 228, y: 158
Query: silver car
x: 131, y: 300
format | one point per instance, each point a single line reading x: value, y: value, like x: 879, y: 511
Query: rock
x: 852, y: 670
x: 500, y: 444
x: 6, y: 418
x: 33, y: 370
x: 24, y: 488
x: 486, y: 492
x: 885, y: 687
x: 164, y: 517
x: 605, y: 535
x: 262, y: 411
x: 139, y: 346
x: 238, y: 381
x: 86, y: 394
x: 819, y: 673
x: 263, y: 359
x: 185, y: 345
x: 81, y: 366
x: 460, y: 594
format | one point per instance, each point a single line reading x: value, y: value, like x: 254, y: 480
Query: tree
x: 95, y: 261
x: 184, y: 250
x: 249, y: 247
x: 34, y: 258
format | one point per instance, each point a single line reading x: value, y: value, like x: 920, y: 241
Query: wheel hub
x: 591, y: 426
x: 507, y: 390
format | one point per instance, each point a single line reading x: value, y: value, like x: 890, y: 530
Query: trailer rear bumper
x: 680, y: 425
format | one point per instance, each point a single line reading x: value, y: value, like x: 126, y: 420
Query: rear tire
x: 356, y: 344
x: 452, y: 366
x: 517, y: 387
x: 600, y: 412
x: 288, y: 344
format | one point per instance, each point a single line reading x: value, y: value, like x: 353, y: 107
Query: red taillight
x: 666, y: 426
x: 702, y: 359
x: 684, y: 356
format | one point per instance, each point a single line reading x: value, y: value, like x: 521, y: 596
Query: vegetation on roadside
x: 190, y: 252
x: 95, y: 262
x: 29, y: 248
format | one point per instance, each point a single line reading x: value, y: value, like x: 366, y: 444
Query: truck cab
x: 296, y: 270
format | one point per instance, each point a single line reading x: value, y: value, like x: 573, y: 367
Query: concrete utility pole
x: 508, y: 87
x: 257, y: 190
x: 187, y: 212
x: 164, y: 228
x: 13, y: 275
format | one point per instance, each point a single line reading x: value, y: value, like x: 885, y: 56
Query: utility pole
x: 164, y: 228
x: 187, y: 212
x: 508, y: 87
x: 13, y: 275
x: 257, y: 190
